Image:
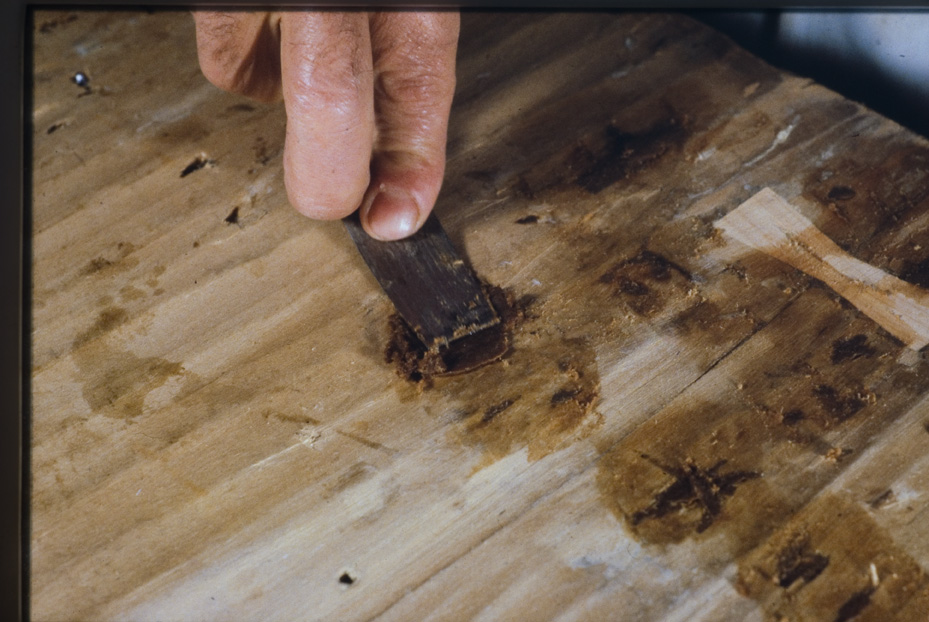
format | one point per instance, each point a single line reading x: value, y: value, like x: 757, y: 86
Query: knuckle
x: 421, y: 85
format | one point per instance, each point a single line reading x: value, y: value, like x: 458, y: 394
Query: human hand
x: 367, y: 97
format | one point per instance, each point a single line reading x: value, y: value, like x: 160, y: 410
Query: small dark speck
x: 196, y: 243
x: 531, y: 219
x: 926, y: 426
x: 196, y: 165
x: 851, y: 348
x: 233, y: 217
x: 54, y: 127
x: 841, y: 193
x: 346, y: 579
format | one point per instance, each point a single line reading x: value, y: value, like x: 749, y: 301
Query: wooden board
x: 685, y: 429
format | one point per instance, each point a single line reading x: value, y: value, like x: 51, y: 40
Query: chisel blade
x: 432, y: 287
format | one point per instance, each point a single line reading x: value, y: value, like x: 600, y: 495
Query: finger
x: 414, y: 68
x: 240, y: 52
x: 328, y: 92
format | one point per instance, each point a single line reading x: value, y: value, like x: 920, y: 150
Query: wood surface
x: 684, y: 429
x: 768, y: 223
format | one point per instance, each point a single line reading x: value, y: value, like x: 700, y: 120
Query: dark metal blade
x: 433, y: 288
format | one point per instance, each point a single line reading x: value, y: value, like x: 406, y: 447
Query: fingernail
x: 392, y: 216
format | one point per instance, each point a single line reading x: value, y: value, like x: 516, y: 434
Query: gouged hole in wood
x: 199, y: 162
x: 768, y: 223
x: 346, y: 578
x: 233, y: 217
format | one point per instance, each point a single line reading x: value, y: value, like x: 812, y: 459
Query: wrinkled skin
x: 367, y: 96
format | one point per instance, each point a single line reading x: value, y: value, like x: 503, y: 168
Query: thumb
x: 414, y: 82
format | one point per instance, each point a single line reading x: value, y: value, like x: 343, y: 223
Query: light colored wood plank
x: 768, y: 223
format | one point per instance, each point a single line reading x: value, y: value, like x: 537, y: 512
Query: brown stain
x: 851, y: 348
x: 263, y: 152
x: 131, y: 293
x: 541, y: 395
x: 284, y: 417
x: 868, y: 191
x: 112, y: 262
x: 352, y: 476
x: 605, y: 156
x: 115, y: 382
x: 49, y: 25
x: 832, y: 561
x: 841, y: 193
x: 667, y: 484
x: 838, y: 405
x: 916, y: 272
x: 544, y: 398
x: 645, y: 281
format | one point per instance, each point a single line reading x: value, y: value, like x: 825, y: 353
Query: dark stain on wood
x: 797, y: 561
x: 792, y: 417
x: 635, y: 280
x: 855, y: 605
x: 290, y: 418
x: 832, y: 561
x: 607, y: 155
x: 531, y: 219
x: 805, y: 567
x: 119, y: 263
x: 883, y: 500
x: 495, y: 409
x: 890, y: 187
x: 107, y: 320
x: 693, y: 488
x: 839, y: 405
x: 841, y: 193
x: 196, y: 164
x: 916, y: 272
x: 233, y: 217
x: 618, y: 154
x: 54, y: 23
x: 851, y: 348
x: 116, y: 382
x: 264, y: 153
x: 508, y: 406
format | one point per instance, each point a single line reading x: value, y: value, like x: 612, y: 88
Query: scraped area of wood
x: 767, y: 222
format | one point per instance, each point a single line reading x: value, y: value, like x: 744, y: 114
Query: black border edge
x: 14, y: 312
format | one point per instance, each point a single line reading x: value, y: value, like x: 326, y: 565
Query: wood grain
x: 681, y: 430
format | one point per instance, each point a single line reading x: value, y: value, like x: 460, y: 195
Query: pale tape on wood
x: 768, y: 223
